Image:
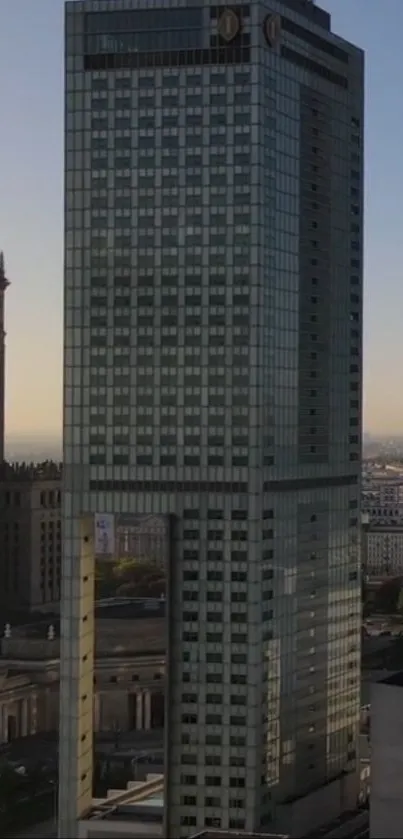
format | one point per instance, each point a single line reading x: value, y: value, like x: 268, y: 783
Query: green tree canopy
x: 131, y: 577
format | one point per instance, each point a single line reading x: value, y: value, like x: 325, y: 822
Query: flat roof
x: 156, y: 799
x: 396, y: 680
x: 134, y: 803
x: 146, y: 631
x: 235, y: 834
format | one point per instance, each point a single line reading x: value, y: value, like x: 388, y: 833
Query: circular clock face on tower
x: 228, y: 25
x: 272, y: 29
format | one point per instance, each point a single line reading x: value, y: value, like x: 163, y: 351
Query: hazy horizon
x: 23, y: 448
x: 37, y: 447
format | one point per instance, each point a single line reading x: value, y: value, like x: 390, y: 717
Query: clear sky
x: 31, y: 161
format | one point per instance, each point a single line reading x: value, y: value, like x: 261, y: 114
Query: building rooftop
x: 48, y: 470
x: 310, y: 10
x: 138, y: 636
x: 154, y: 800
x: 235, y: 834
x: 141, y: 804
x: 147, y: 623
x: 396, y: 680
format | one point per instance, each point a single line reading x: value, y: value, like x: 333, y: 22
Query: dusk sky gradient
x: 31, y: 206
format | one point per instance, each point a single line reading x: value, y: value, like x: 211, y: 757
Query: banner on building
x: 104, y: 536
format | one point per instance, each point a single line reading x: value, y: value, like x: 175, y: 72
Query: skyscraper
x: 4, y: 283
x: 213, y: 300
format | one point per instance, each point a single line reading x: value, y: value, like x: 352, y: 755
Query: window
x: 189, y: 760
x: 213, y: 760
x: 213, y: 740
x: 188, y: 780
x: 189, y: 800
x: 237, y: 782
x: 211, y: 801
x: 212, y: 781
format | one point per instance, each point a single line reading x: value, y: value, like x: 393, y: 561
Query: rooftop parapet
x: 48, y: 470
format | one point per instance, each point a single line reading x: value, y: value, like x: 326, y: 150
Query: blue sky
x: 31, y: 161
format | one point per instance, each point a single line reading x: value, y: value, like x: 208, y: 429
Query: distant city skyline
x: 31, y: 210
x: 27, y: 447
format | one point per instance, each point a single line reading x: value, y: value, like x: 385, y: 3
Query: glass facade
x: 213, y: 297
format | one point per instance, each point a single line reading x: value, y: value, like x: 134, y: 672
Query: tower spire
x: 4, y: 283
x: 3, y: 279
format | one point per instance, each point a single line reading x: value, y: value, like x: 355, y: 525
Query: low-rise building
x: 30, y: 535
x: 134, y: 812
x: 138, y: 811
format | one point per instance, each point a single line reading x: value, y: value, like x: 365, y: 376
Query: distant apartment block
x: 384, y: 550
x: 30, y: 535
x: 383, y: 500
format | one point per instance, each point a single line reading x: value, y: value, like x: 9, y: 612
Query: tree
x: 140, y: 578
x: 130, y: 577
x: 105, y: 581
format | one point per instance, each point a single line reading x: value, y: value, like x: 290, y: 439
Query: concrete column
x: 76, y: 675
x: 139, y: 711
x: 5, y: 725
x: 96, y: 711
x: 24, y: 718
x: 147, y: 710
x: 34, y: 713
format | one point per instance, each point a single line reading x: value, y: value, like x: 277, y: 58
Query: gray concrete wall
x: 311, y: 812
x: 386, y: 803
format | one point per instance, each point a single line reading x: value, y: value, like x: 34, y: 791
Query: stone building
x: 30, y: 535
x: 129, y: 678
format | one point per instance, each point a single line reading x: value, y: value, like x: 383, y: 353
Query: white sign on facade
x: 104, y: 524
